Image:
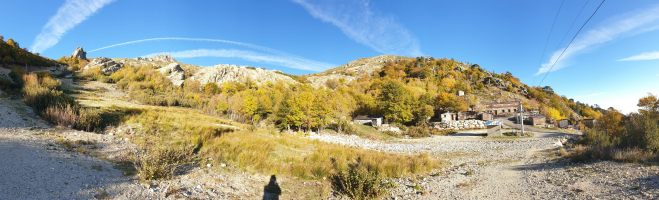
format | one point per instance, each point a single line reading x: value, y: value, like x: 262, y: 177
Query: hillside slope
x: 427, y: 76
x: 12, y: 54
x: 423, y: 86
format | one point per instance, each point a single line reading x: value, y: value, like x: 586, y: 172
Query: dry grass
x: 632, y: 155
x: 41, y: 92
x: 161, y: 162
x: 177, y: 126
x: 272, y: 153
x: 62, y: 115
x: 367, y: 132
x: 582, y: 153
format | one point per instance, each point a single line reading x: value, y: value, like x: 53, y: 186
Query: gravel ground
x: 521, y: 168
x: 38, y: 169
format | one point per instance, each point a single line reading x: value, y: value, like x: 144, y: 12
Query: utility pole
x: 521, y: 116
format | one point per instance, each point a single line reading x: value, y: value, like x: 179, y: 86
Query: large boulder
x: 107, y: 65
x: 79, y: 53
x: 174, y: 73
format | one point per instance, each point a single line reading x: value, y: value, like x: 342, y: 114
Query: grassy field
x: 257, y: 150
x: 274, y: 153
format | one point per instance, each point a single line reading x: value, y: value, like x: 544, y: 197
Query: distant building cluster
x: 487, y: 113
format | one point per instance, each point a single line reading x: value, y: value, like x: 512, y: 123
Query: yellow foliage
x: 553, y: 113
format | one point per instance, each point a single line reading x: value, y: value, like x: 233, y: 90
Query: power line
x: 572, y: 40
x: 551, y: 30
x: 568, y: 30
x: 573, y: 22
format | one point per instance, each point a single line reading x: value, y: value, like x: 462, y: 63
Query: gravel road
x: 36, y: 166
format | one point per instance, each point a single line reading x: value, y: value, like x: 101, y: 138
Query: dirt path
x: 36, y: 166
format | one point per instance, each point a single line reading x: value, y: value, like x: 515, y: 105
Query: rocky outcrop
x: 158, y: 58
x: 107, y: 65
x: 79, y: 53
x: 234, y: 73
x: 174, y: 73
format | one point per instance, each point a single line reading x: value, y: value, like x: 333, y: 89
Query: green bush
x: 89, y: 119
x: 161, y: 162
x: 358, y: 181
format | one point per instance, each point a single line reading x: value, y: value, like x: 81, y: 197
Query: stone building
x: 448, y: 116
x: 502, y: 108
x: 590, y: 123
x: 369, y: 121
x: 486, y: 116
x: 563, y: 123
x: 537, y: 120
x: 467, y: 115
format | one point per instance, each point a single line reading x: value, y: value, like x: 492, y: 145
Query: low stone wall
x: 460, y: 124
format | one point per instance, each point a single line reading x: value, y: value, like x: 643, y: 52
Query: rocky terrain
x: 512, y: 168
x: 178, y: 72
x: 234, y: 73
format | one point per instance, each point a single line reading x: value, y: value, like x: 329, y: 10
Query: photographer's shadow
x: 271, y: 191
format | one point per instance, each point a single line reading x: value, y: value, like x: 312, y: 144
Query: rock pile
x: 461, y: 124
x: 107, y: 65
x: 174, y: 73
x: 389, y: 128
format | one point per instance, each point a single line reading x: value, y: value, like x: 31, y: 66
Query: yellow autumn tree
x: 553, y: 113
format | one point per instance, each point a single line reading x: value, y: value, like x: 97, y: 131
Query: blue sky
x: 613, y: 62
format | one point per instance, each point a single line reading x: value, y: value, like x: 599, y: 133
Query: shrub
x: 418, y: 132
x: 41, y: 93
x: 426, y: 131
x: 62, y: 115
x: 358, y: 181
x: 160, y: 162
x: 642, y: 131
x: 632, y: 155
x: 90, y: 119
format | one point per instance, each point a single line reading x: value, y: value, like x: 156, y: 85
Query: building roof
x: 364, y: 117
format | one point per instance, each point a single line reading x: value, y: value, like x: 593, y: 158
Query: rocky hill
x: 352, y: 70
x: 178, y: 72
x: 234, y: 73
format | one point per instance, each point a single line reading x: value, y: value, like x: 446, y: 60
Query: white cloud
x: 69, y: 15
x: 643, y: 56
x: 362, y: 24
x: 614, y: 28
x: 243, y: 44
x: 266, y: 54
x: 290, y: 62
